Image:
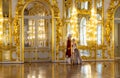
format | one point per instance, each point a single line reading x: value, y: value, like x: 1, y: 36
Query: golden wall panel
x: 18, y: 25
x: 61, y: 27
x: 109, y: 27
x: 1, y: 29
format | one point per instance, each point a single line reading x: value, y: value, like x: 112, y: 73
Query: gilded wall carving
x: 19, y: 17
x: 59, y: 25
x: 109, y: 27
x: 58, y: 38
x: 107, y: 46
x: 55, y: 8
x: 86, y: 12
x: 16, y: 34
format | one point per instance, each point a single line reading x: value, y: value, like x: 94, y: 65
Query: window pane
x: 99, y: 34
x: 99, y: 17
x: 99, y: 4
x: 29, y: 33
x: 68, y: 29
x: 99, y: 53
x: 83, y: 32
x: 41, y: 33
x: 68, y: 13
x: 86, y: 5
x: 82, y: 5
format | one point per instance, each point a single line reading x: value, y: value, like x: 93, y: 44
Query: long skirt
x: 77, y: 58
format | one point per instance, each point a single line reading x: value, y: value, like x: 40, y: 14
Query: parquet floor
x: 61, y: 70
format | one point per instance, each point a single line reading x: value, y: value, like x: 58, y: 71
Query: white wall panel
x: 60, y: 6
x: 106, y: 6
x: 14, y: 4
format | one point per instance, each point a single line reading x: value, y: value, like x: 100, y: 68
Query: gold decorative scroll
x: 19, y: 18
x: 109, y: 28
x: 1, y: 29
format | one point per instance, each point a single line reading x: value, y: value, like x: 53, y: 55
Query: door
x: 37, y: 39
x: 37, y: 32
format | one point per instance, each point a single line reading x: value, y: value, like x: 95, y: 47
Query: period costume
x: 76, y: 58
x: 68, y: 51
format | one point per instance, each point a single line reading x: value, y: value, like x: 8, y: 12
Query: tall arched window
x: 83, y: 31
x: 99, y: 34
x: 84, y: 5
x: 99, y: 30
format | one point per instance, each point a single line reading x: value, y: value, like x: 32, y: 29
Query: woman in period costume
x: 76, y: 58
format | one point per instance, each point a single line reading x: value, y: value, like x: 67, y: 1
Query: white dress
x: 76, y: 55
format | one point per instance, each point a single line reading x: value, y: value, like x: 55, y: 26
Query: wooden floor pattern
x: 61, y: 70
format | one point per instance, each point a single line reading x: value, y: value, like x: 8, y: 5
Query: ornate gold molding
x: 16, y: 34
x: 18, y: 24
x: 109, y: 28
x: 1, y: 29
x: 59, y: 26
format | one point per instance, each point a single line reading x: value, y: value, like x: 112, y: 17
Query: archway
x: 116, y: 33
x: 23, y: 14
x: 37, y: 32
x: 109, y: 30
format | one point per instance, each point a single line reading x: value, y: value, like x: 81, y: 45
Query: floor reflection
x: 117, y: 69
x: 61, y: 70
x: 11, y: 70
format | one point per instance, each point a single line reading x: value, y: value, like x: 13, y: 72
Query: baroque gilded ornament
x: 59, y: 26
x: 55, y: 9
x: 18, y: 25
x: 16, y: 34
x: 109, y: 27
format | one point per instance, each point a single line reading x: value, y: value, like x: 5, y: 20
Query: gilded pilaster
x: 109, y: 28
x: 17, y: 36
x: 59, y: 41
x: 58, y: 25
x: 1, y: 29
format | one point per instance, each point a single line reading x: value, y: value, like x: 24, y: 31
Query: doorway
x: 117, y: 33
x: 37, y: 33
